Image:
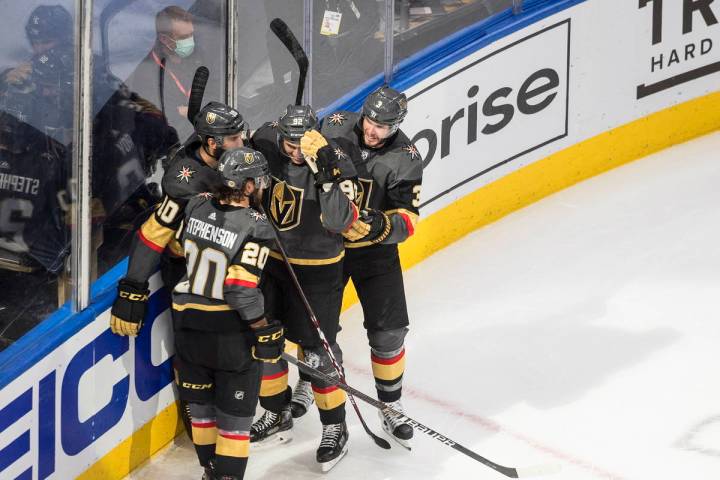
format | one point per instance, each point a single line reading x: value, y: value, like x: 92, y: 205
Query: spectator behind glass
x: 48, y: 27
x: 346, y: 49
x: 164, y: 77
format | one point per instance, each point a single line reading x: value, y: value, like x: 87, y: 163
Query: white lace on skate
x: 390, y: 422
x: 330, y: 435
x: 267, y: 421
x: 303, y: 394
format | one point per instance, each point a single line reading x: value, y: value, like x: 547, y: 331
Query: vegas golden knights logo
x: 286, y: 205
x: 364, y: 191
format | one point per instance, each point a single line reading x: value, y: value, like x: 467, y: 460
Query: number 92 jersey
x: 226, y: 248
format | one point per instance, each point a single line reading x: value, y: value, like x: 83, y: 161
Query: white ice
x: 581, y: 331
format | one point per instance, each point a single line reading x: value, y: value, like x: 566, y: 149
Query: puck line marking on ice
x: 493, y: 426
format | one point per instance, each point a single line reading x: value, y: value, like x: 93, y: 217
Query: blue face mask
x: 184, y: 48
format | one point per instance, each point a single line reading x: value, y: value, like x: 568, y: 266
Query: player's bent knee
x: 387, y: 340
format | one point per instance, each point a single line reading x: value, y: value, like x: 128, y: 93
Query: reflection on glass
x: 164, y: 75
x: 420, y: 23
x: 36, y: 114
x: 267, y: 74
x: 348, y: 46
x: 141, y: 106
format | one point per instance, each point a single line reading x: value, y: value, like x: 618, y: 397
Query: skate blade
x: 279, y: 438
x: 406, y: 444
x: 327, y: 466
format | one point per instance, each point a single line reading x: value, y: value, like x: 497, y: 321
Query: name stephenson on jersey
x: 226, y: 249
x: 390, y: 177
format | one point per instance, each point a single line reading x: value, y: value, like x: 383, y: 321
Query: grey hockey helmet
x: 296, y: 120
x: 49, y: 22
x: 386, y: 106
x: 218, y: 120
x: 238, y: 165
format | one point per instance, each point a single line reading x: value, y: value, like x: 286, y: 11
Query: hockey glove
x: 372, y: 226
x: 269, y: 342
x: 331, y: 164
x: 128, y: 311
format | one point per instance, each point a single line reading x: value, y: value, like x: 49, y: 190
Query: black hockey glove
x: 269, y: 342
x: 128, y: 311
x: 372, y: 226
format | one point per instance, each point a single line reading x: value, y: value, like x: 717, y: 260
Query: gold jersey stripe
x: 414, y: 217
x: 309, y: 261
x: 199, y: 306
x: 156, y: 233
x: 237, y: 272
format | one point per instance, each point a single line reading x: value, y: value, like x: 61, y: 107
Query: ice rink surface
x: 581, y: 331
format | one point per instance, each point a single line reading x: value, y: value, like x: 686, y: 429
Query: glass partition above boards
x: 420, y: 23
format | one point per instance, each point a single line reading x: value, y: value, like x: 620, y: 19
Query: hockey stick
x: 341, y: 384
x: 285, y: 35
x: 380, y: 442
x: 197, y: 91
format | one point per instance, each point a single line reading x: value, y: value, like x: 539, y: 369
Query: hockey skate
x: 302, y: 398
x: 333, y: 445
x: 209, y: 473
x: 272, y: 429
x: 396, y: 427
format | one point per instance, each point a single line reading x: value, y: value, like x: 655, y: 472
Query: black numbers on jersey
x: 255, y: 255
x: 198, y: 265
x: 11, y: 232
x: 168, y: 211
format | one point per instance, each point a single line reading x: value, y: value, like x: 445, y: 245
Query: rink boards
x: 504, y: 113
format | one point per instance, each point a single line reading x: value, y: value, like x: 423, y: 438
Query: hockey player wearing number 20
x: 310, y: 203
x: 222, y: 334
x: 390, y: 176
x: 190, y: 170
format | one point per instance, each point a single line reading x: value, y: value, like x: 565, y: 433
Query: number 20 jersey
x: 226, y: 248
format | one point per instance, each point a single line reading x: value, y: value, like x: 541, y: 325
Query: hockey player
x: 220, y: 328
x: 191, y: 170
x: 310, y: 211
x: 390, y: 176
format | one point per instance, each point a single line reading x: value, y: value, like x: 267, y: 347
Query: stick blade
x: 285, y: 35
x: 200, y: 79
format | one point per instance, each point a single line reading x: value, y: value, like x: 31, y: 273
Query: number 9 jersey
x: 226, y: 248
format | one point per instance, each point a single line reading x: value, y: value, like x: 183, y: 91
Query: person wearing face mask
x: 164, y: 77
